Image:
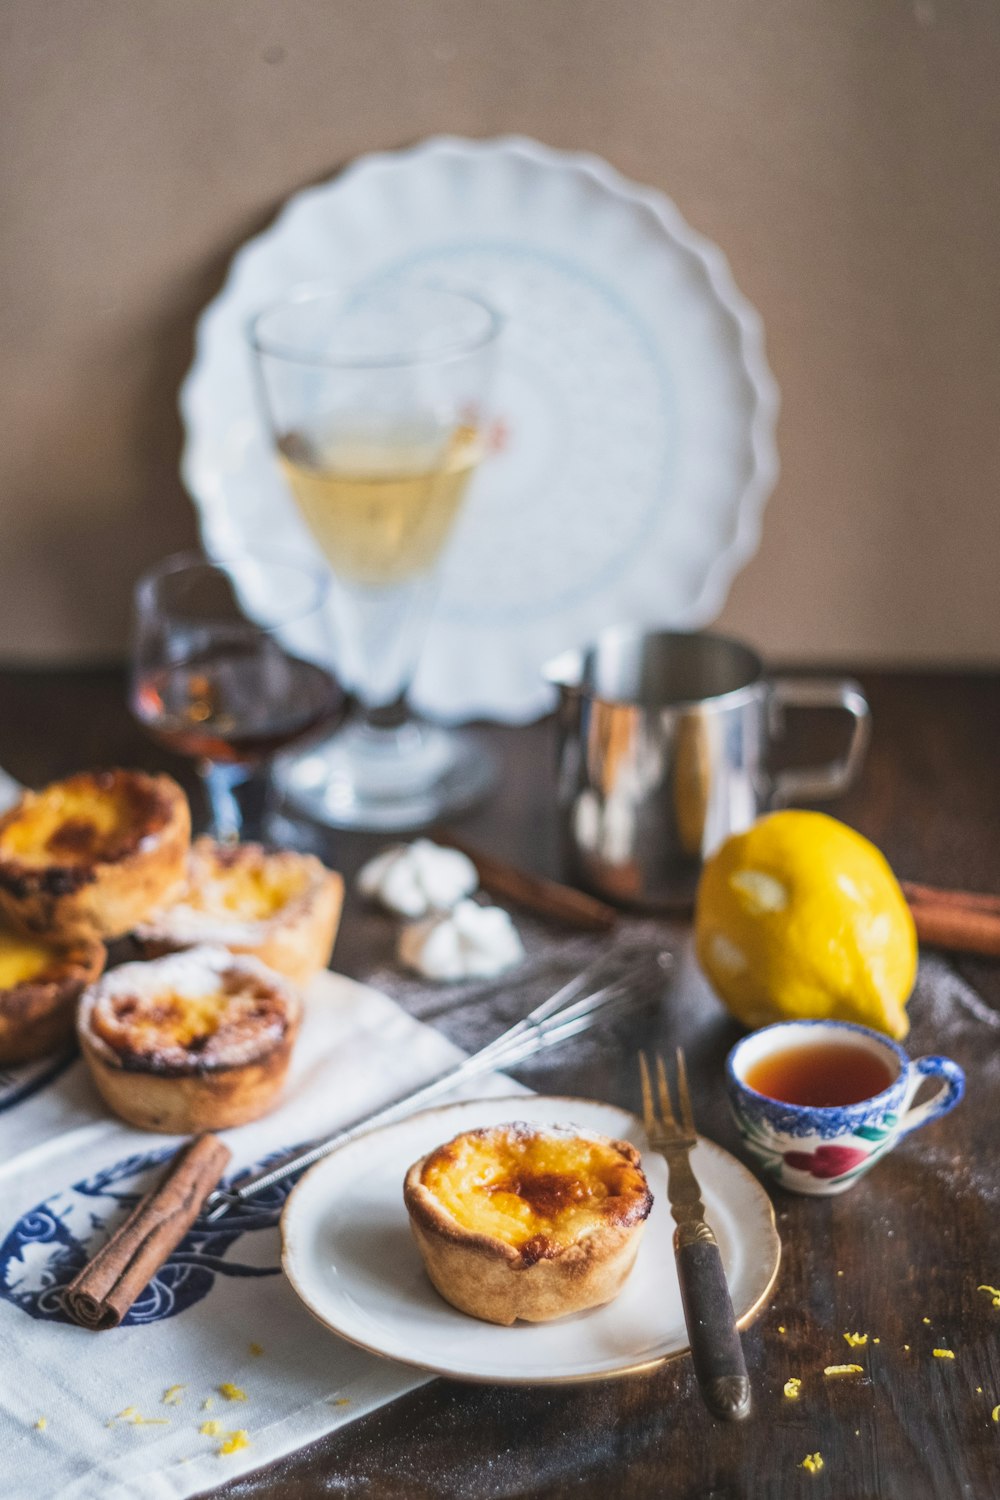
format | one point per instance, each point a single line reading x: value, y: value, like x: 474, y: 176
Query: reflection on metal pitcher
x: 663, y: 752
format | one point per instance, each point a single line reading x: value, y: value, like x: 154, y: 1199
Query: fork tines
x: 668, y: 1122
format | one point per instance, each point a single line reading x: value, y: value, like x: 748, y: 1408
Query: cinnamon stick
x: 102, y: 1293
x: 546, y: 898
x: 932, y: 895
x: 961, y: 930
x: 961, y: 921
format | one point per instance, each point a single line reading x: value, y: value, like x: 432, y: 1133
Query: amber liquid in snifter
x: 380, y: 506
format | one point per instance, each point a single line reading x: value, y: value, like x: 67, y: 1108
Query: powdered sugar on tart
x: 283, y: 907
x: 201, y: 1009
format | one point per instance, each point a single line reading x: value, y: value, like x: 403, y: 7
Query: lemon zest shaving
x: 856, y: 1340
x: 943, y: 1353
x: 174, y: 1395
x: 813, y: 1462
x: 906, y: 1347
x: 256, y: 1350
x: 342, y: 1401
x: 211, y: 1428
x: 235, y: 1441
x: 41, y: 1424
x: 206, y: 1405
x: 139, y: 1421
x: 232, y: 1392
x: 129, y: 1411
x: 781, y: 1327
x: 996, y: 1414
x: 792, y: 1387
x: 844, y: 1370
x: 926, y: 1320
x: 992, y: 1292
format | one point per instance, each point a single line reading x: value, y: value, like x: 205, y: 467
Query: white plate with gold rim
x: 634, y: 395
x: 348, y: 1252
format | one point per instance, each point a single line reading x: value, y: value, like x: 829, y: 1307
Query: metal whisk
x: 574, y: 1008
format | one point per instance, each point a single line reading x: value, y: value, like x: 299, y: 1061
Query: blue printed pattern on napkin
x: 54, y: 1240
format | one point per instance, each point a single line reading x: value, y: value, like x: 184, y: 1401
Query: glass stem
x: 238, y: 798
x: 385, y: 716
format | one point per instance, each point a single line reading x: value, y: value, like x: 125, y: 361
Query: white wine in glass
x: 376, y: 402
x: 381, y: 509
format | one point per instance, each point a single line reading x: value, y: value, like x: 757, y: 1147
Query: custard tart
x: 198, y: 1040
x: 40, y: 982
x: 93, y: 854
x: 518, y: 1222
x: 283, y: 907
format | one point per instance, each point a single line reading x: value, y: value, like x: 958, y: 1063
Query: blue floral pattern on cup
x: 823, y: 1150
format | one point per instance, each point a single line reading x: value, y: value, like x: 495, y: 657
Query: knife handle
x: 716, y: 1347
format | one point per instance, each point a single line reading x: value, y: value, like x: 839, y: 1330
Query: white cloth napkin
x: 219, y: 1313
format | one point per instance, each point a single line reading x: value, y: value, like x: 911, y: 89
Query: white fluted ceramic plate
x: 349, y: 1254
x: 634, y: 395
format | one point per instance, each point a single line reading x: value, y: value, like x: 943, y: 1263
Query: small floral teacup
x: 824, y: 1148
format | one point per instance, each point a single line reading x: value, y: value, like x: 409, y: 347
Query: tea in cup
x: 818, y: 1102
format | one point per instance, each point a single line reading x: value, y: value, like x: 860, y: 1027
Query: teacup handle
x: 953, y: 1087
x: 814, y: 782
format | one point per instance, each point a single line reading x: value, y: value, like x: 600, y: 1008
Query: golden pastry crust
x: 515, y: 1222
x: 93, y: 854
x: 198, y: 1040
x: 40, y: 983
x: 283, y: 907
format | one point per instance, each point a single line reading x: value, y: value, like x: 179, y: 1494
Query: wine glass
x: 230, y: 663
x: 376, y: 403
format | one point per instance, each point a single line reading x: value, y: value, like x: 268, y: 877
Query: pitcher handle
x: 812, y: 783
x: 947, y: 1096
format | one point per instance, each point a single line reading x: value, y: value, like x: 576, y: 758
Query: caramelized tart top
x: 195, y: 1011
x: 233, y: 892
x: 92, y: 818
x: 35, y: 960
x: 24, y: 960
x: 537, y: 1191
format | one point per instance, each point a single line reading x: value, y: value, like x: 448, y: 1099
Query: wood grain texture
x: 912, y: 1240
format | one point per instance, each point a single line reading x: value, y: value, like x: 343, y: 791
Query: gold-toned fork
x: 708, y: 1309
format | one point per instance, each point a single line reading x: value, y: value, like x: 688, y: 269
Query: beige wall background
x: 844, y: 153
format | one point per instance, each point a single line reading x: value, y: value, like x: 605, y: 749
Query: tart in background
x: 198, y: 1040
x: 93, y: 854
x: 40, y: 982
x: 518, y: 1222
x: 284, y: 908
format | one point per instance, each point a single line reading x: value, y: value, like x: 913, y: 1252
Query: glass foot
x: 386, y: 781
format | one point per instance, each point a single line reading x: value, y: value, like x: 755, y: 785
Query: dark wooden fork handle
x: 711, y: 1324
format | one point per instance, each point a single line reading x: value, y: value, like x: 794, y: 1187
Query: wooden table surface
x: 898, y: 1257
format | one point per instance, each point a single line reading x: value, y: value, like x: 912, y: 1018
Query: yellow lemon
x: 802, y: 918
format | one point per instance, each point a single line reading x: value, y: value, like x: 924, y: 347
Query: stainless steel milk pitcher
x: 664, y: 742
